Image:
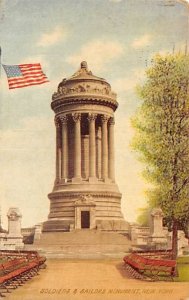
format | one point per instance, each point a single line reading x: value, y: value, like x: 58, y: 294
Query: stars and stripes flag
x: 24, y: 75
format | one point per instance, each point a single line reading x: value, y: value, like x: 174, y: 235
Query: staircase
x: 83, y: 243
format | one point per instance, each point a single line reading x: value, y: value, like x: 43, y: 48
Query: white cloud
x: 98, y: 54
x: 125, y: 84
x: 53, y: 37
x: 142, y: 41
x: 35, y: 59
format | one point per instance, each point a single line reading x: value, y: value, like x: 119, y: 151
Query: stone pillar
x: 111, y: 171
x: 98, y: 153
x: 58, y: 151
x: 38, y: 231
x: 157, y: 238
x: 92, y: 146
x: 64, y: 148
x: 14, y: 236
x: 104, y: 147
x: 77, y: 147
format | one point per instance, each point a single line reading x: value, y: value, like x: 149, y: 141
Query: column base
x: 107, y: 180
x: 92, y: 179
x: 64, y: 180
x: 76, y: 179
x: 57, y: 181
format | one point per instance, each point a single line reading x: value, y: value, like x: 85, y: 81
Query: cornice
x: 78, y: 194
x: 105, y: 101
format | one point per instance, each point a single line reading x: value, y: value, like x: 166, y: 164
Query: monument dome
x: 85, y: 194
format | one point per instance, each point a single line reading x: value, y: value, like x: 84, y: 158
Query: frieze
x: 72, y: 194
x: 81, y: 88
x: 85, y: 200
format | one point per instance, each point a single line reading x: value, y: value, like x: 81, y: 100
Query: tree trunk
x: 175, y: 239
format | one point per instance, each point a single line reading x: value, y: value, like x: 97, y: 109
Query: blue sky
x: 118, y: 38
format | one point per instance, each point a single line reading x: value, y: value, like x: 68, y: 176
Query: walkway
x: 94, y: 280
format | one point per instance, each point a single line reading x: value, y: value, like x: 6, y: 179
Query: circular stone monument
x: 85, y: 194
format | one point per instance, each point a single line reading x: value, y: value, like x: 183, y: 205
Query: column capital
x: 92, y: 117
x: 104, y: 118
x: 63, y: 119
x: 112, y: 121
x: 76, y: 117
x: 57, y: 122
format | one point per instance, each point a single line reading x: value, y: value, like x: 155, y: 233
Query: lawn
x: 183, y: 268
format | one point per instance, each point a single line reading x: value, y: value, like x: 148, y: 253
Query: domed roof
x: 82, y: 74
x: 84, y: 87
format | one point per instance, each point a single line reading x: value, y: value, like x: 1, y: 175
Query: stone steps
x: 80, y: 237
x: 83, y: 252
x: 82, y: 244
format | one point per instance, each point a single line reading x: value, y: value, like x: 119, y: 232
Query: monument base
x: 55, y: 225
x: 83, y: 205
x: 82, y: 244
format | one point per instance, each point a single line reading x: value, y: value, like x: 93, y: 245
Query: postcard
x: 79, y: 80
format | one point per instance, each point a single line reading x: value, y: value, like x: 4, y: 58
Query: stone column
x: 77, y: 147
x: 92, y: 146
x: 64, y: 148
x: 58, y: 151
x: 111, y: 171
x: 104, y: 147
x: 99, y: 152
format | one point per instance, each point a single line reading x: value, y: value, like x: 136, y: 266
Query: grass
x: 183, y: 260
x: 183, y: 268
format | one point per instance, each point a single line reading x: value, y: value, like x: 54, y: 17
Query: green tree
x: 143, y: 217
x: 162, y: 138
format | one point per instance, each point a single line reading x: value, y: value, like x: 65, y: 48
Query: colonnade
x: 62, y: 147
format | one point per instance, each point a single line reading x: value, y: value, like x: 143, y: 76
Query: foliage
x: 162, y: 135
x: 143, y: 217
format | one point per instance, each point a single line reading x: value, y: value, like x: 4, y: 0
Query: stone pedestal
x: 38, y: 231
x: 14, y: 236
x: 157, y: 238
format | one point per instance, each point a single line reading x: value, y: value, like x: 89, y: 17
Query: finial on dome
x: 84, y: 65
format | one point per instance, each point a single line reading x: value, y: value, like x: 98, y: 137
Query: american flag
x: 24, y: 75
